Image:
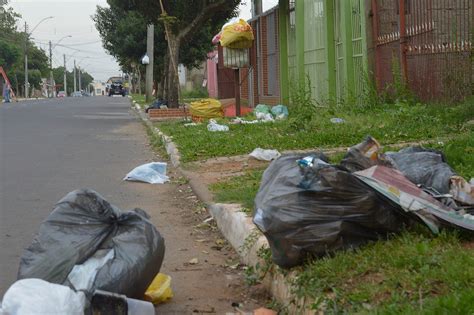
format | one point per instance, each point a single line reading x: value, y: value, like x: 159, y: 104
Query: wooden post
x: 403, y: 42
x: 237, y: 91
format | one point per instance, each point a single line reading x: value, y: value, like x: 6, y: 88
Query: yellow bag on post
x: 207, y: 108
x: 237, y: 35
x: 159, y: 290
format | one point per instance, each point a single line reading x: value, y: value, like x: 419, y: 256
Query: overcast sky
x: 73, y: 17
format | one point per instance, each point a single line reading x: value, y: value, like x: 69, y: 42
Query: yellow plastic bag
x: 159, y: 290
x: 207, y: 108
x: 238, y: 35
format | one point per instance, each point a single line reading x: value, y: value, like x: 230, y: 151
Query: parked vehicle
x: 77, y: 94
x: 61, y: 94
x: 116, y: 88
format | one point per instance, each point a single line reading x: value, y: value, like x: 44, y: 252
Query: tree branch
x: 203, y: 15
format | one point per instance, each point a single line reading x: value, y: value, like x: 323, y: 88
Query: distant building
x: 99, y: 88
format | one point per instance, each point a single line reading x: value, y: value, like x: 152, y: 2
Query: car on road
x: 116, y: 88
x: 77, y: 94
x: 61, y: 94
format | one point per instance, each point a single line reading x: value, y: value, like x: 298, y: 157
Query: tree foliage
x: 12, y: 50
x: 193, y: 23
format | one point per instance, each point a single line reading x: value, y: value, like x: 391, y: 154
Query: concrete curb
x: 238, y: 229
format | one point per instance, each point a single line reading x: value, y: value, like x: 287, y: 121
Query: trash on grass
x: 207, y: 108
x: 159, y: 290
x: 214, y: 126
x: 318, y: 209
x: 265, y: 155
x: 152, y: 173
x: 280, y: 112
x: 264, y: 117
x: 336, y: 120
x: 36, y: 296
x: 306, y: 206
x: 83, y: 226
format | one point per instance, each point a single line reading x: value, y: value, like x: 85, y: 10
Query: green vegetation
x: 388, y: 123
x: 140, y: 99
x: 415, y: 272
x: 194, y: 94
x: 240, y: 189
x: 407, y: 274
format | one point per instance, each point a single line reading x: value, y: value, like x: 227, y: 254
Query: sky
x: 73, y: 17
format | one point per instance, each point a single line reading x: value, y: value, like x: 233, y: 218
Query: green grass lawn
x: 140, y: 99
x: 412, y: 273
x: 389, y: 124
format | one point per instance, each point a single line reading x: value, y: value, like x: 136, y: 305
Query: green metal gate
x: 326, y: 42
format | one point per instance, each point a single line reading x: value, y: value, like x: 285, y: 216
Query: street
x: 51, y: 147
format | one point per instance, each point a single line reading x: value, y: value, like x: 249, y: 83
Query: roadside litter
x: 265, y: 155
x: 152, y: 173
x: 207, y: 108
x: 236, y: 34
x: 36, y: 296
x: 306, y: 206
x: 280, y: 112
x: 336, y: 120
x: 88, y: 244
x: 157, y: 104
x: 159, y: 290
x: 214, y: 126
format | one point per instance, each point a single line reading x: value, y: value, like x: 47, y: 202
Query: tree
x: 12, y: 48
x: 186, y: 23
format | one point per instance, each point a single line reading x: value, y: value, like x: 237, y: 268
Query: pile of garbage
x: 308, y: 207
x: 266, y: 113
x: 157, y: 104
x: 88, y: 249
x: 235, y: 34
x: 206, y: 109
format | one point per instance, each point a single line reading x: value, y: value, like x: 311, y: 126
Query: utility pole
x: 51, y: 69
x: 75, y: 76
x: 26, y: 61
x: 65, y: 75
x: 80, y: 85
x: 149, y: 67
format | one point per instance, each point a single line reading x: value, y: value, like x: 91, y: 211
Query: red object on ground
x: 229, y: 111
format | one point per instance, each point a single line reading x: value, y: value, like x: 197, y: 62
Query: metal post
x: 65, y: 75
x: 26, y: 61
x: 75, y: 76
x: 51, y: 80
x: 237, y: 91
x: 403, y: 42
x: 149, y: 67
x: 80, y: 84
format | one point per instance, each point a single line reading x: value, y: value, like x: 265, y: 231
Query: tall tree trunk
x: 173, y: 79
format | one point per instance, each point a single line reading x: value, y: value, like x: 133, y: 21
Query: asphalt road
x: 51, y: 147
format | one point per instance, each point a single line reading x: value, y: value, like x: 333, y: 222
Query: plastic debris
x: 214, y: 126
x: 461, y: 190
x: 207, y: 108
x: 159, y: 290
x: 104, y: 302
x: 152, y: 173
x: 265, y: 155
x: 280, y: 112
x: 88, y: 242
x: 36, y: 296
x: 336, y: 120
x: 264, y: 117
x: 237, y: 35
x: 318, y: 209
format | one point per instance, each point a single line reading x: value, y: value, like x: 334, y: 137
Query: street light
x: 87, y: 57
x: 51, y: 62
x: 26, y: 50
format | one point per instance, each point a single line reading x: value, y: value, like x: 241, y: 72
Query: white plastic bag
x: 264, y: 116
x: 35, y: 296
x: 152, y: 173
x: 214, y: 126
x: 82, y: 276
x: 265, y: 155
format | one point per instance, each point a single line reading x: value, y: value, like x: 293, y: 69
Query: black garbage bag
x: 425, y: 167
x: 81, y: 227
x: 333, y: 211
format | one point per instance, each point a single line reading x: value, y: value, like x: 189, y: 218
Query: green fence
x: 326, y: 42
